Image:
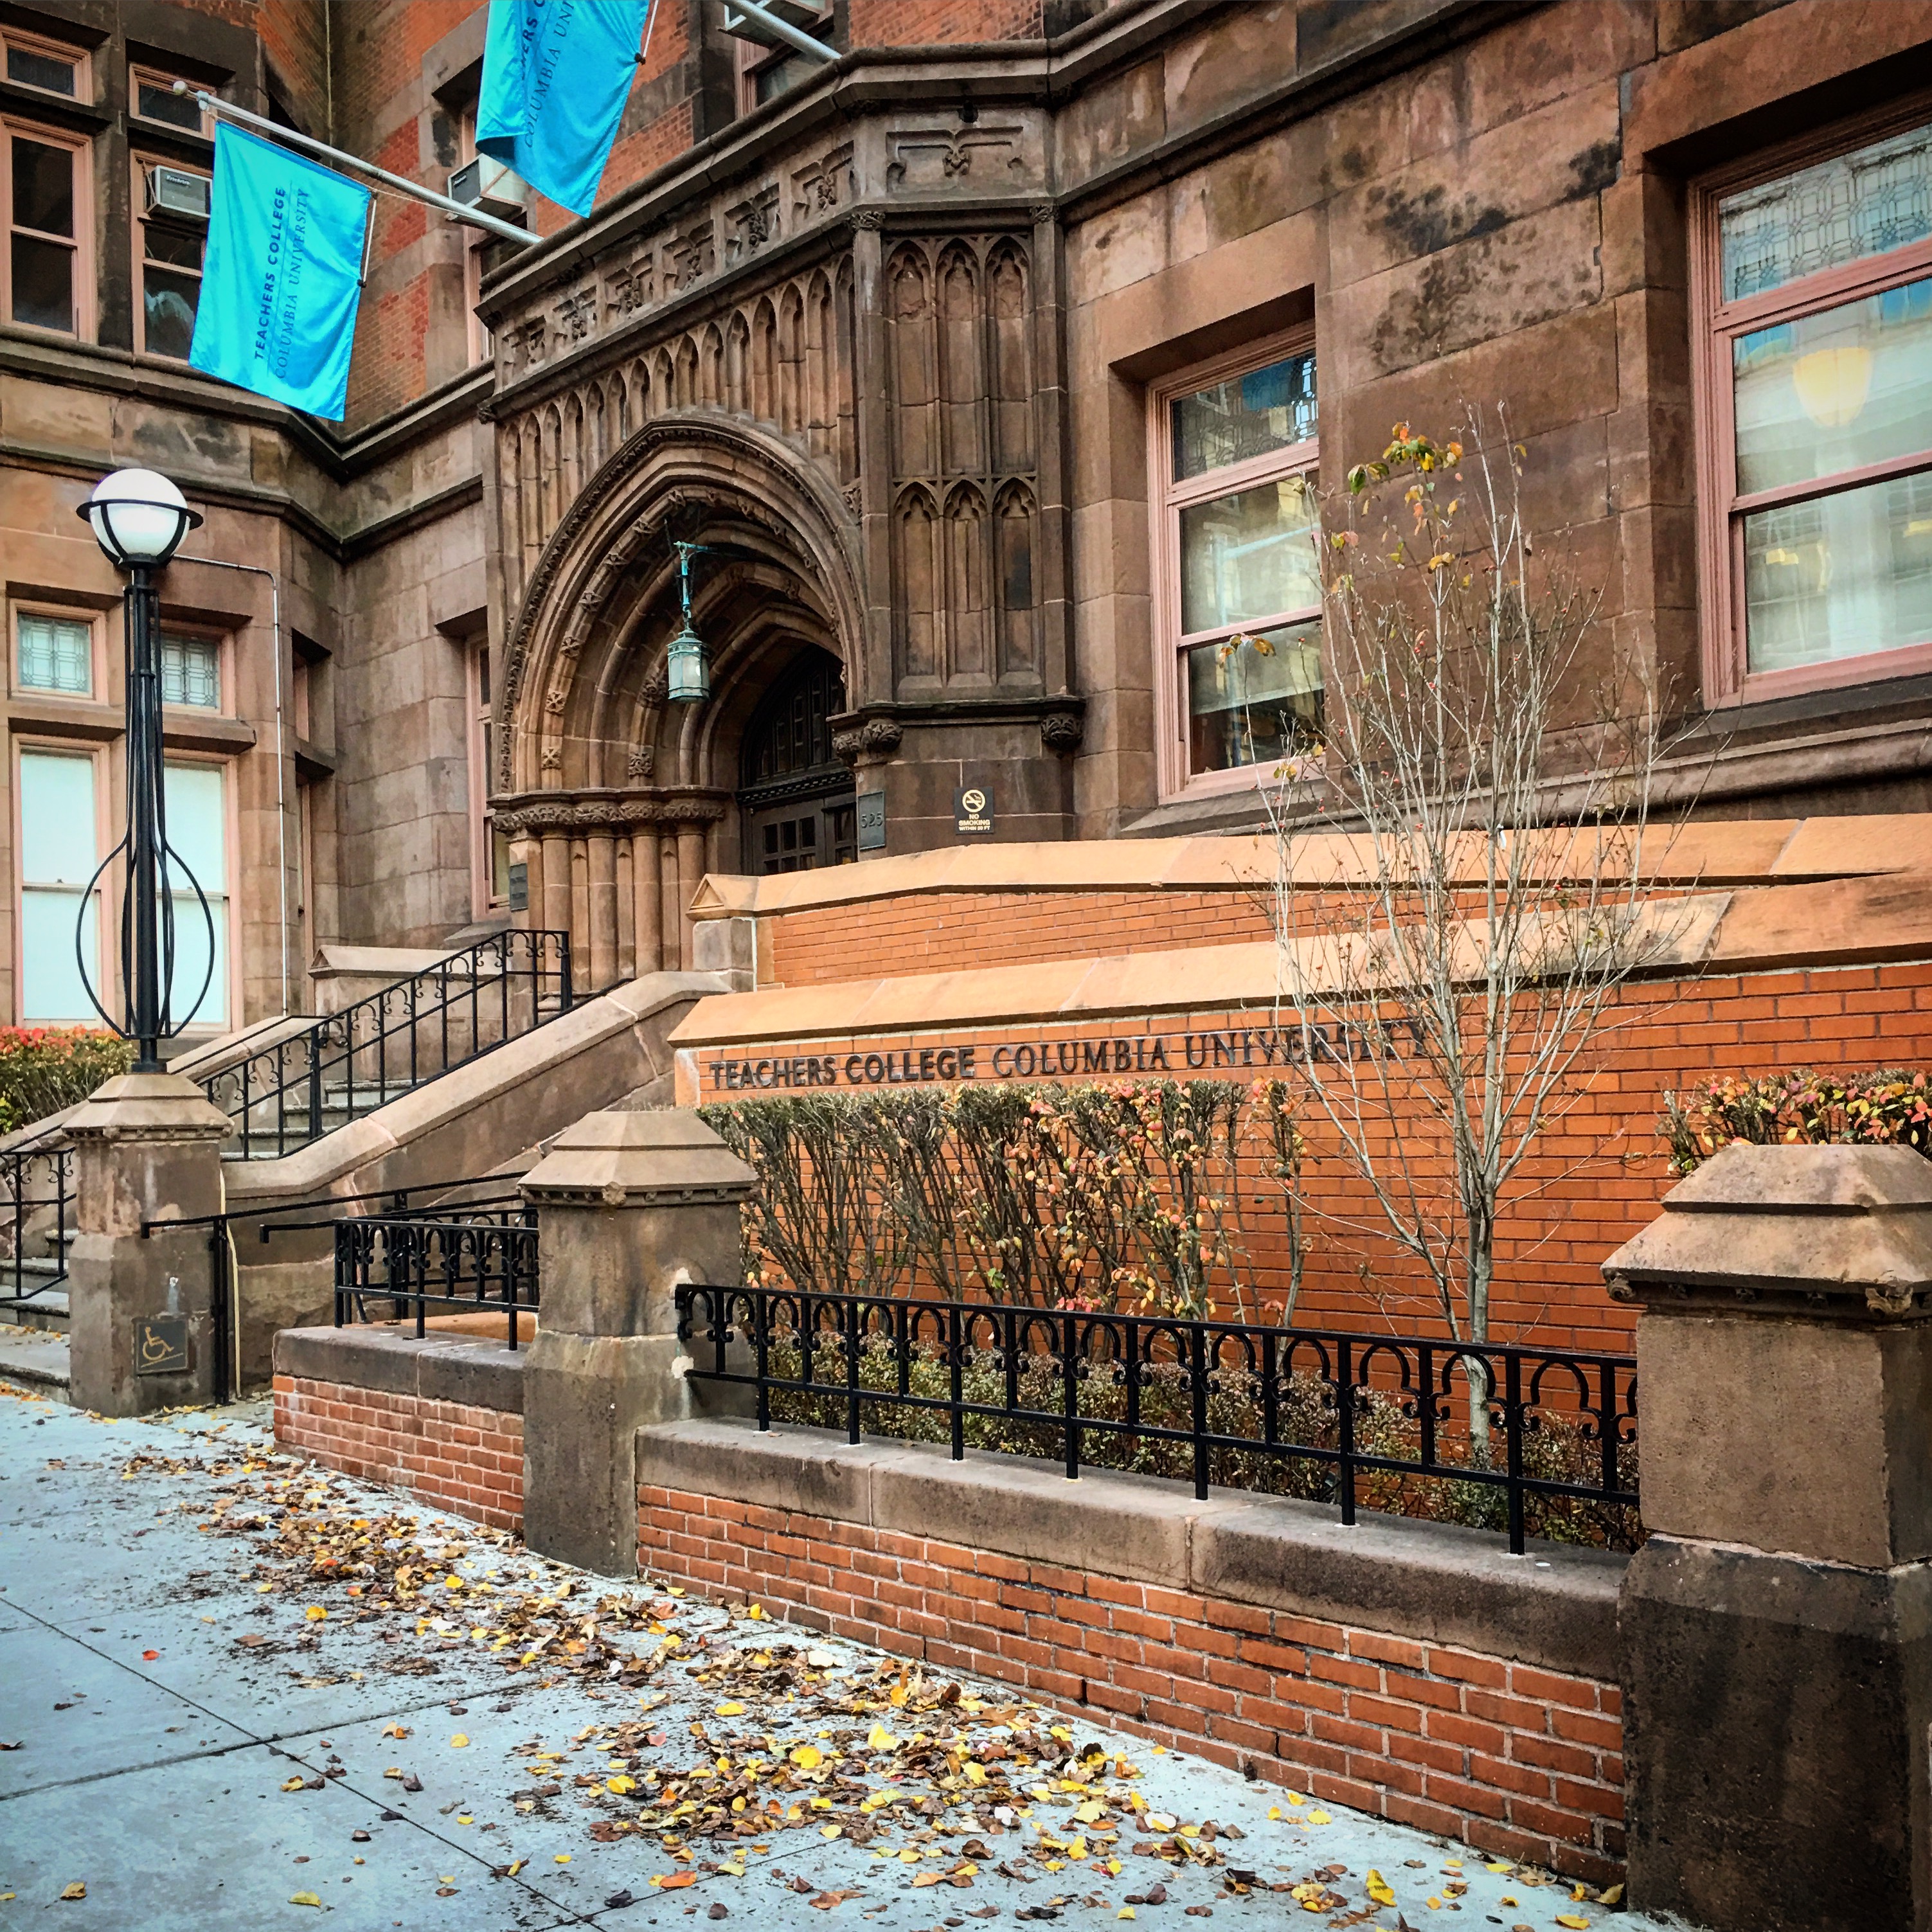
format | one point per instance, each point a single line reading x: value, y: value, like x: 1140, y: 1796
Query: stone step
x: 47, y: 1310
x: 35, y: 1360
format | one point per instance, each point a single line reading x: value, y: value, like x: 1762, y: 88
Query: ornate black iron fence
x: 36, y: 1212
x: 1497, y: 1436
x: 346, y: 1063
x: 480, y: 1256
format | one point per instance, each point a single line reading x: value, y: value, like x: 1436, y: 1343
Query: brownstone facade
x: 943, y: 352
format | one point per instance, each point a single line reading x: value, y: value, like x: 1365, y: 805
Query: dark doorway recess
x: 796, y: 800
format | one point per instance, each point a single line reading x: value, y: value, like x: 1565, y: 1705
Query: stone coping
x: 444, y: 1367
x: 1815, y: 924
x: 1718, y: 852
x: 1555, y: 1607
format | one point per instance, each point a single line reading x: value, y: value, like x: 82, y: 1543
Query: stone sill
x: 446, y: 1367
x: 1555, y: 1607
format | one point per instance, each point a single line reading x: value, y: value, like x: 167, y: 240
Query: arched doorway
x: 797, y: 802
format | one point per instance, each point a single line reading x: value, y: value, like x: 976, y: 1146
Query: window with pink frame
x: 1816, y: 285
x: 1238, y: 592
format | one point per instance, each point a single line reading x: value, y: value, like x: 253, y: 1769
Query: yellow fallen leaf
x: 1125, y: 1912
x: 881, y: 1739
x: 75, y: 1891
x: 1499, y: 1865
x: 730, y: 1710
x: 458, y: 1741
x: 928, y: 1878
x: 1091, y: 1812
x: 1613, y: 1896
x: 809, y: 1757
x: 830, y: 1830
x: 621, y: 1783
x: 517, y: 1865
x: 1379, y: 1889
x: 976, y: 1774
x: 562, y: 1858
x: 395, y: 1731
x: 1575, y: 1923
x: 675, y: 1881
x: 315, y: 1613
x: 291, y: 1784
x: 302, y: 1898
x: 1319, y: 1818
x: 1274, y: 1812
x: 757, y: 1613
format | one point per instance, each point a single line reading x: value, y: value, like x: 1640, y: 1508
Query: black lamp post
x: 139, y: 519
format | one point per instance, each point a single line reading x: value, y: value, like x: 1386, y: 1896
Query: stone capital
x: 1835, y: 1233
x: 158, y: 1107
x: 618, y: 1160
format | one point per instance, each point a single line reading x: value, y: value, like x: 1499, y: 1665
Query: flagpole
x: 455, y: 210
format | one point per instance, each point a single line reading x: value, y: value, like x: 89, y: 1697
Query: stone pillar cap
x: 147, y: 1107
x: 619, y: 1159
x: 1790, y: 1226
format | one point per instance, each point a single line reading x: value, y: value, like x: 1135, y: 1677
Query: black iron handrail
x: 389, y: 1043
x: 36, y: 1201
x: 462, y: 1258
x: 1470, y: 1411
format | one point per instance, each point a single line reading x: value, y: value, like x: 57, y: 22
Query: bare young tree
x: 1449, y: 965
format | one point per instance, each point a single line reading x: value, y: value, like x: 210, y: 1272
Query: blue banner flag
x: 282, y: 275
x: 555, y: 75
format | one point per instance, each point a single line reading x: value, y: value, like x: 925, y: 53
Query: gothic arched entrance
x: 617, y: 800
x: 796, y: 802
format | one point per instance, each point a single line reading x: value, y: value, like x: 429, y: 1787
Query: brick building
x: 993, y: 362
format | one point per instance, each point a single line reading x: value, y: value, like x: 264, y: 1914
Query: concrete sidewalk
x: 203, y: 1740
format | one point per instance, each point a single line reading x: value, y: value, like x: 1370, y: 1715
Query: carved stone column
x: 1776, y: 1625
x: 630, y: 1205
x: 145, y: 1332
x: 601, y: 845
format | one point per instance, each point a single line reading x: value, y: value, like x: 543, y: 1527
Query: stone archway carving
x: 614, y: 799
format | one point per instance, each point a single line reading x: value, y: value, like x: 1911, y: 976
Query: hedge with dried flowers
x: 1126, y: 1197
x: 43, y: 1069
x: 1887, y: 1106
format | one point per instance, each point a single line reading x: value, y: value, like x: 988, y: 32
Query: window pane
x: 50, y: 982
x: 42, y: 187
x: 1246, y: 415
x: 179, y: 247
x: 1253, y: 702
x: 168, y: 301
x: 1840, y: 577
x: 43, y: 283
x: 157, y: 101
x: 197, y: 833
x: 32, y: 69
x: 1831, y: 391
x: 56, y: 654
x: 500, y: 865
x: 1862, y: 204
x: 57, y: 840
x: 191, y: 672
x: 1248, y: 556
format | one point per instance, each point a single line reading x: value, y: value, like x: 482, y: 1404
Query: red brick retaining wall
x: 469, y: 1460
x: 1523, y: 1761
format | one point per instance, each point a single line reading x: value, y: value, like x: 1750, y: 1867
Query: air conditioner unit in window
x: 489, y: 188
x: 179, y: 192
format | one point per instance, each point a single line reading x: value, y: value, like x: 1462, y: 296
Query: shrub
x: 43, y: 1069
x: 1887, y: 1106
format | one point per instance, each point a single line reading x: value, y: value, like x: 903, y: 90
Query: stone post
x: 144, y: 1330
x: 1777, y: 1626
x: 630, y: 1204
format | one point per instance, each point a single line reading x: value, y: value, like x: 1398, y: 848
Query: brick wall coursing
x: 469, y: 1459
x: 1522, y: 1762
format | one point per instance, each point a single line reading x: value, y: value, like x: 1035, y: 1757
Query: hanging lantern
x: 686, y: 666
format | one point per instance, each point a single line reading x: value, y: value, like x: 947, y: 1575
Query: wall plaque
x: 872, y: 821
x: 160, y: 1345
x: 973, y: 810
x: 520, y: 888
